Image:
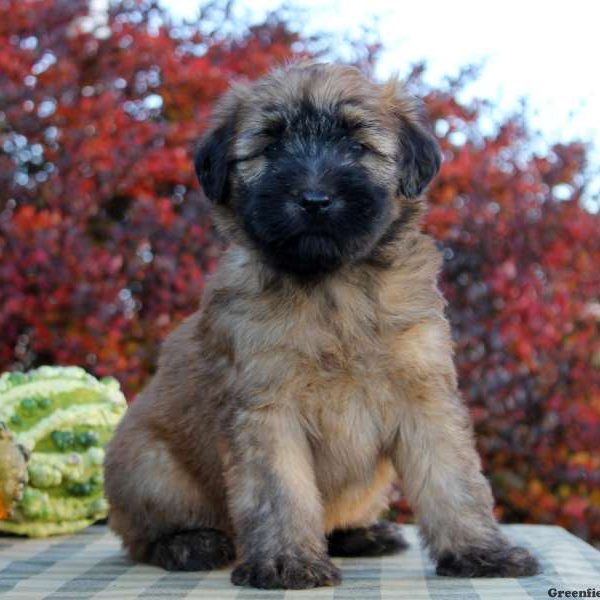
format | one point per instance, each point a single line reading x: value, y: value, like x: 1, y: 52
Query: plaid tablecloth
x: 91, y: 565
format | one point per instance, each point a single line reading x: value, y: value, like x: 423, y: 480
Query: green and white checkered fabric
x: 91, y: 565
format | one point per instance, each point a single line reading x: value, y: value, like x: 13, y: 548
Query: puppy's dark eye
x: 358, y: 149
x: 273, y: 148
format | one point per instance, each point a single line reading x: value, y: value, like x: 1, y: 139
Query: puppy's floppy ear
x: 419, y: 155
x: 212, y: 159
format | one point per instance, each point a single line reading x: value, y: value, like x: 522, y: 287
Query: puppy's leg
x: 441, y: 476
x: 199, y: 549
x: 165, y: 515
x: 274, y: 503
x: 379, y: 539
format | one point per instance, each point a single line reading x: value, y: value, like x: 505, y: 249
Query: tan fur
x: 313, y: 395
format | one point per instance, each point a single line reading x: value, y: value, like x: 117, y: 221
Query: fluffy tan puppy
x: 319, y: 366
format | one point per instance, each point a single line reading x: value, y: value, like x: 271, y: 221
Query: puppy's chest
x: 331, y: 355
x: 345, y: 391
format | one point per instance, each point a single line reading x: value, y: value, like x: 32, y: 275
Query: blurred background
x: 106, y: 239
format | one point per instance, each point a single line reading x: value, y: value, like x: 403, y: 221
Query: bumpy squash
x: 54, y: 424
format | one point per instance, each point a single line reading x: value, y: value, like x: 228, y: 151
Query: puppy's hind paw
x: 499, y: 561
x: 379, y: 539
x: 193, y: 550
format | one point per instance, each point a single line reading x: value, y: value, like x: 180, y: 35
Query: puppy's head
x: 314, y: 164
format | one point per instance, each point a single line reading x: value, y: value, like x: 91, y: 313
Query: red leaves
x: 105, y: 237
x: 575, y: 508
x: 522, y: 273
x: 26, y: 218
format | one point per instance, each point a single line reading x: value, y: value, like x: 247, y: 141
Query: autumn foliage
x: 105, y: 239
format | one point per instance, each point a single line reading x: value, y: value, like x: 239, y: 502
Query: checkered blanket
x: 92, y: 565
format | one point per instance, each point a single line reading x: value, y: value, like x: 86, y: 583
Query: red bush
x: 105, y: 239
x: 522, y: 279
x: 105, y: 236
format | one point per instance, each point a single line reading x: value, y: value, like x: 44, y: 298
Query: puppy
x: 319, y: 366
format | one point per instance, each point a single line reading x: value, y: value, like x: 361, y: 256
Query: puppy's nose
x: 315, y: 202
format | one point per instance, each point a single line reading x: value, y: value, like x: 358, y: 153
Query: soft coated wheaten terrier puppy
x: 319, y: 366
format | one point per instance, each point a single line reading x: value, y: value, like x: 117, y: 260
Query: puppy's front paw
x: 288, y: 572
x: 497, y: 561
